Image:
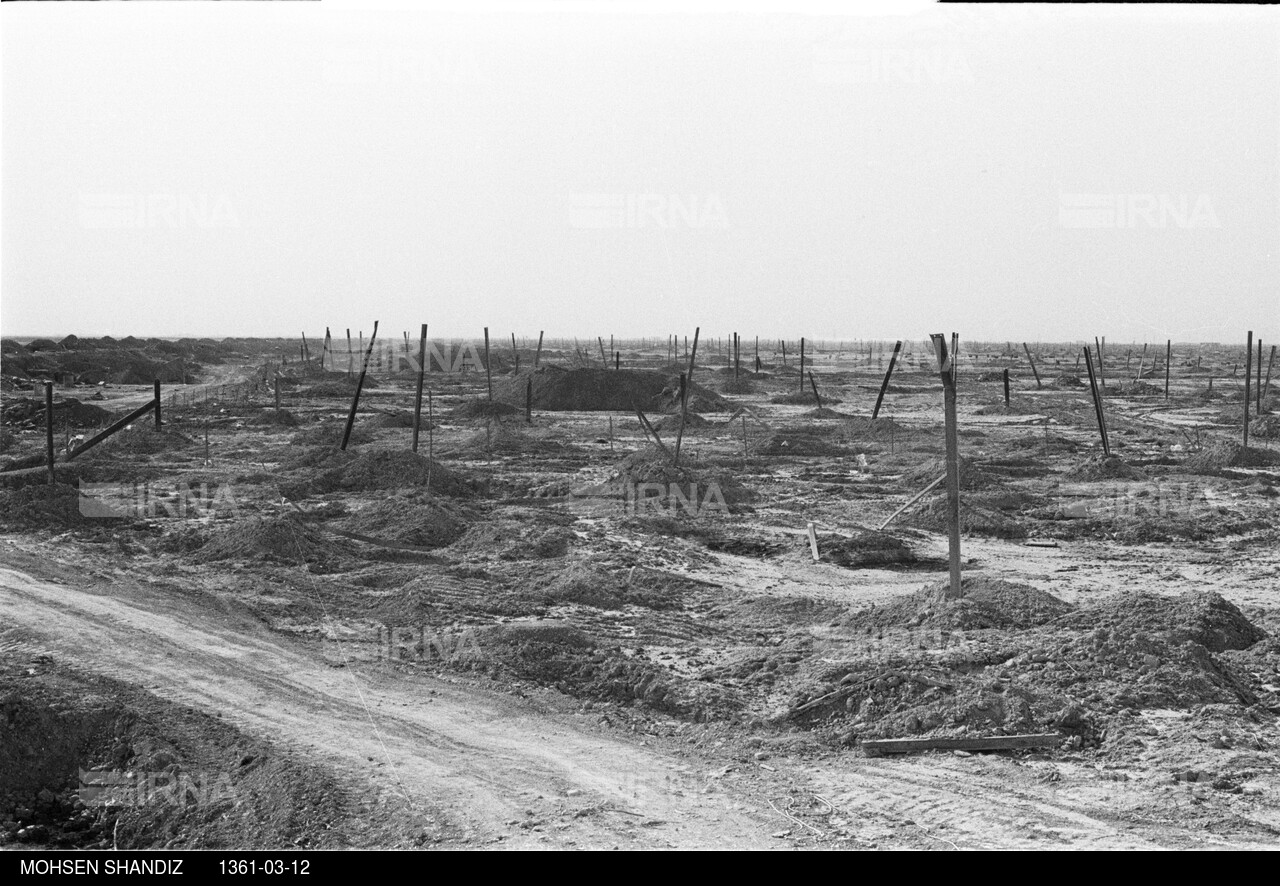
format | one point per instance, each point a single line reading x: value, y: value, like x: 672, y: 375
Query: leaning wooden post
x: 355, y: 399
x: 1266, y: 386
x: 814, y: 385
x: 488, y: 375
x: 1248, y: 371
x: 946, y: 369
x: 1032, y: 361
x: 1102, y: 369
x: 1006, y: 389
x: 1097, y: 402
x: 48, y: 426
x: 324, y: 353
x: 1168, y: 358
x: 884, y: 385
x: 514, y: 352
x: 156, y: 389
x: 693, y: 355
x: 684, y: 414
x: 802, y: 365
x: 306, y: 351
x: 784, y: 352
x: 603, y: 358
x: 1142, y: 361
x: 422, y: 372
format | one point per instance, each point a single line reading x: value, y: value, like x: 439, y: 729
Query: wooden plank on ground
x: 987, y: 743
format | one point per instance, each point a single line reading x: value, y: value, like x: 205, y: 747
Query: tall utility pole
x: 946, y: 368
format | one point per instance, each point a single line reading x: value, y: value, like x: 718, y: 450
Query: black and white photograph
x: 635, y: 426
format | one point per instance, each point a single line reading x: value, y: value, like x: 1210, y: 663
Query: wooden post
x: 1006, y: 389
x: 431, y: 431
x: 813, y: 384
x: 1032, y: 361
x: 422, y: 372
x: 324, y: 353
x: 603, y: 358
x: 119, y: 425
x: 1168, y: 358
x: 48, y: 427
x: 156, y: 394
x: 784, y: 352
x: 528, y: 401
x: 884, y: 385
x: 537, y: 355
x: 1270, y: 362
x: 1248, y: 371
x: 1097, y: 402
x: 349, y: 357
x: 947, y: 371
x: 1258, y: 411
x: 684, y: 414
x: 488, y: 375
x: 813, y: 540
x: 1142, y: 361
x: 1102, y: 371
x: 306, y: 351
x: 355, y: 398
x: 802, y: 364
x: 757, y: 353
x: 693, y: 355
x: 617, y: 360
x: 514, y: 353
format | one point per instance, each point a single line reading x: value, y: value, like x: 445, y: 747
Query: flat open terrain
x: 549, y: 632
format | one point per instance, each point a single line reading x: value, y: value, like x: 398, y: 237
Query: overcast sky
x: 1021, y: 173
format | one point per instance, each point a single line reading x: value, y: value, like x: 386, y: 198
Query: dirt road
x: 514, y: 772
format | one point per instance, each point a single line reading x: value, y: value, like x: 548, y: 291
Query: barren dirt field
x: 548, y: 632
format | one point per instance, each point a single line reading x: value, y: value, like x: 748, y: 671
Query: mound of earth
x: 331, y: 470
x: 738, y: 386
x: 537, y: 535
x: 480, y: 407
x: 28, y: 412
x: 279, y: 539
x: 646, y: 481
x: 507, y: 438
x: 606, y: 390
x: 797, y: 443
x: 399, y: 419
x: 980, y: 514
x: 866, y: 548
x: 1104, y: 467
x: 1220, y: 455
x: 801, y: 398
x: 1200, y: 616
x: 672, y: 422
x: 279, y: 418
x: 1068, y: 381
x: 411, y: 519
x: 824, y: 412
x: 329, y: 434
x: 1265, y: 426
x: 986, y: 603
x: 40, y: 505
x: 972, y: 476
x: 143, y: 439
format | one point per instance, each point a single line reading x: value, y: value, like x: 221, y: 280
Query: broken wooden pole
x: 1032, y: 361
x: 1168, y: 358
x: 1097, y: 402
x: 802, y: 364
x: 603, y: 358
x: 813, y: 541
x: 156, y: 394
x: 422, y: 372
x: 1006, y: 388
x: 1248, y: 366
x: 48, y: 427
x: 813, y: 384
x: 488, y: 374
x: 355, y: 398
x: 947, y: 372
x: 537, y: 355
x: 1142, y: 361
x: 884, y: 385
x: 648, y: 428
